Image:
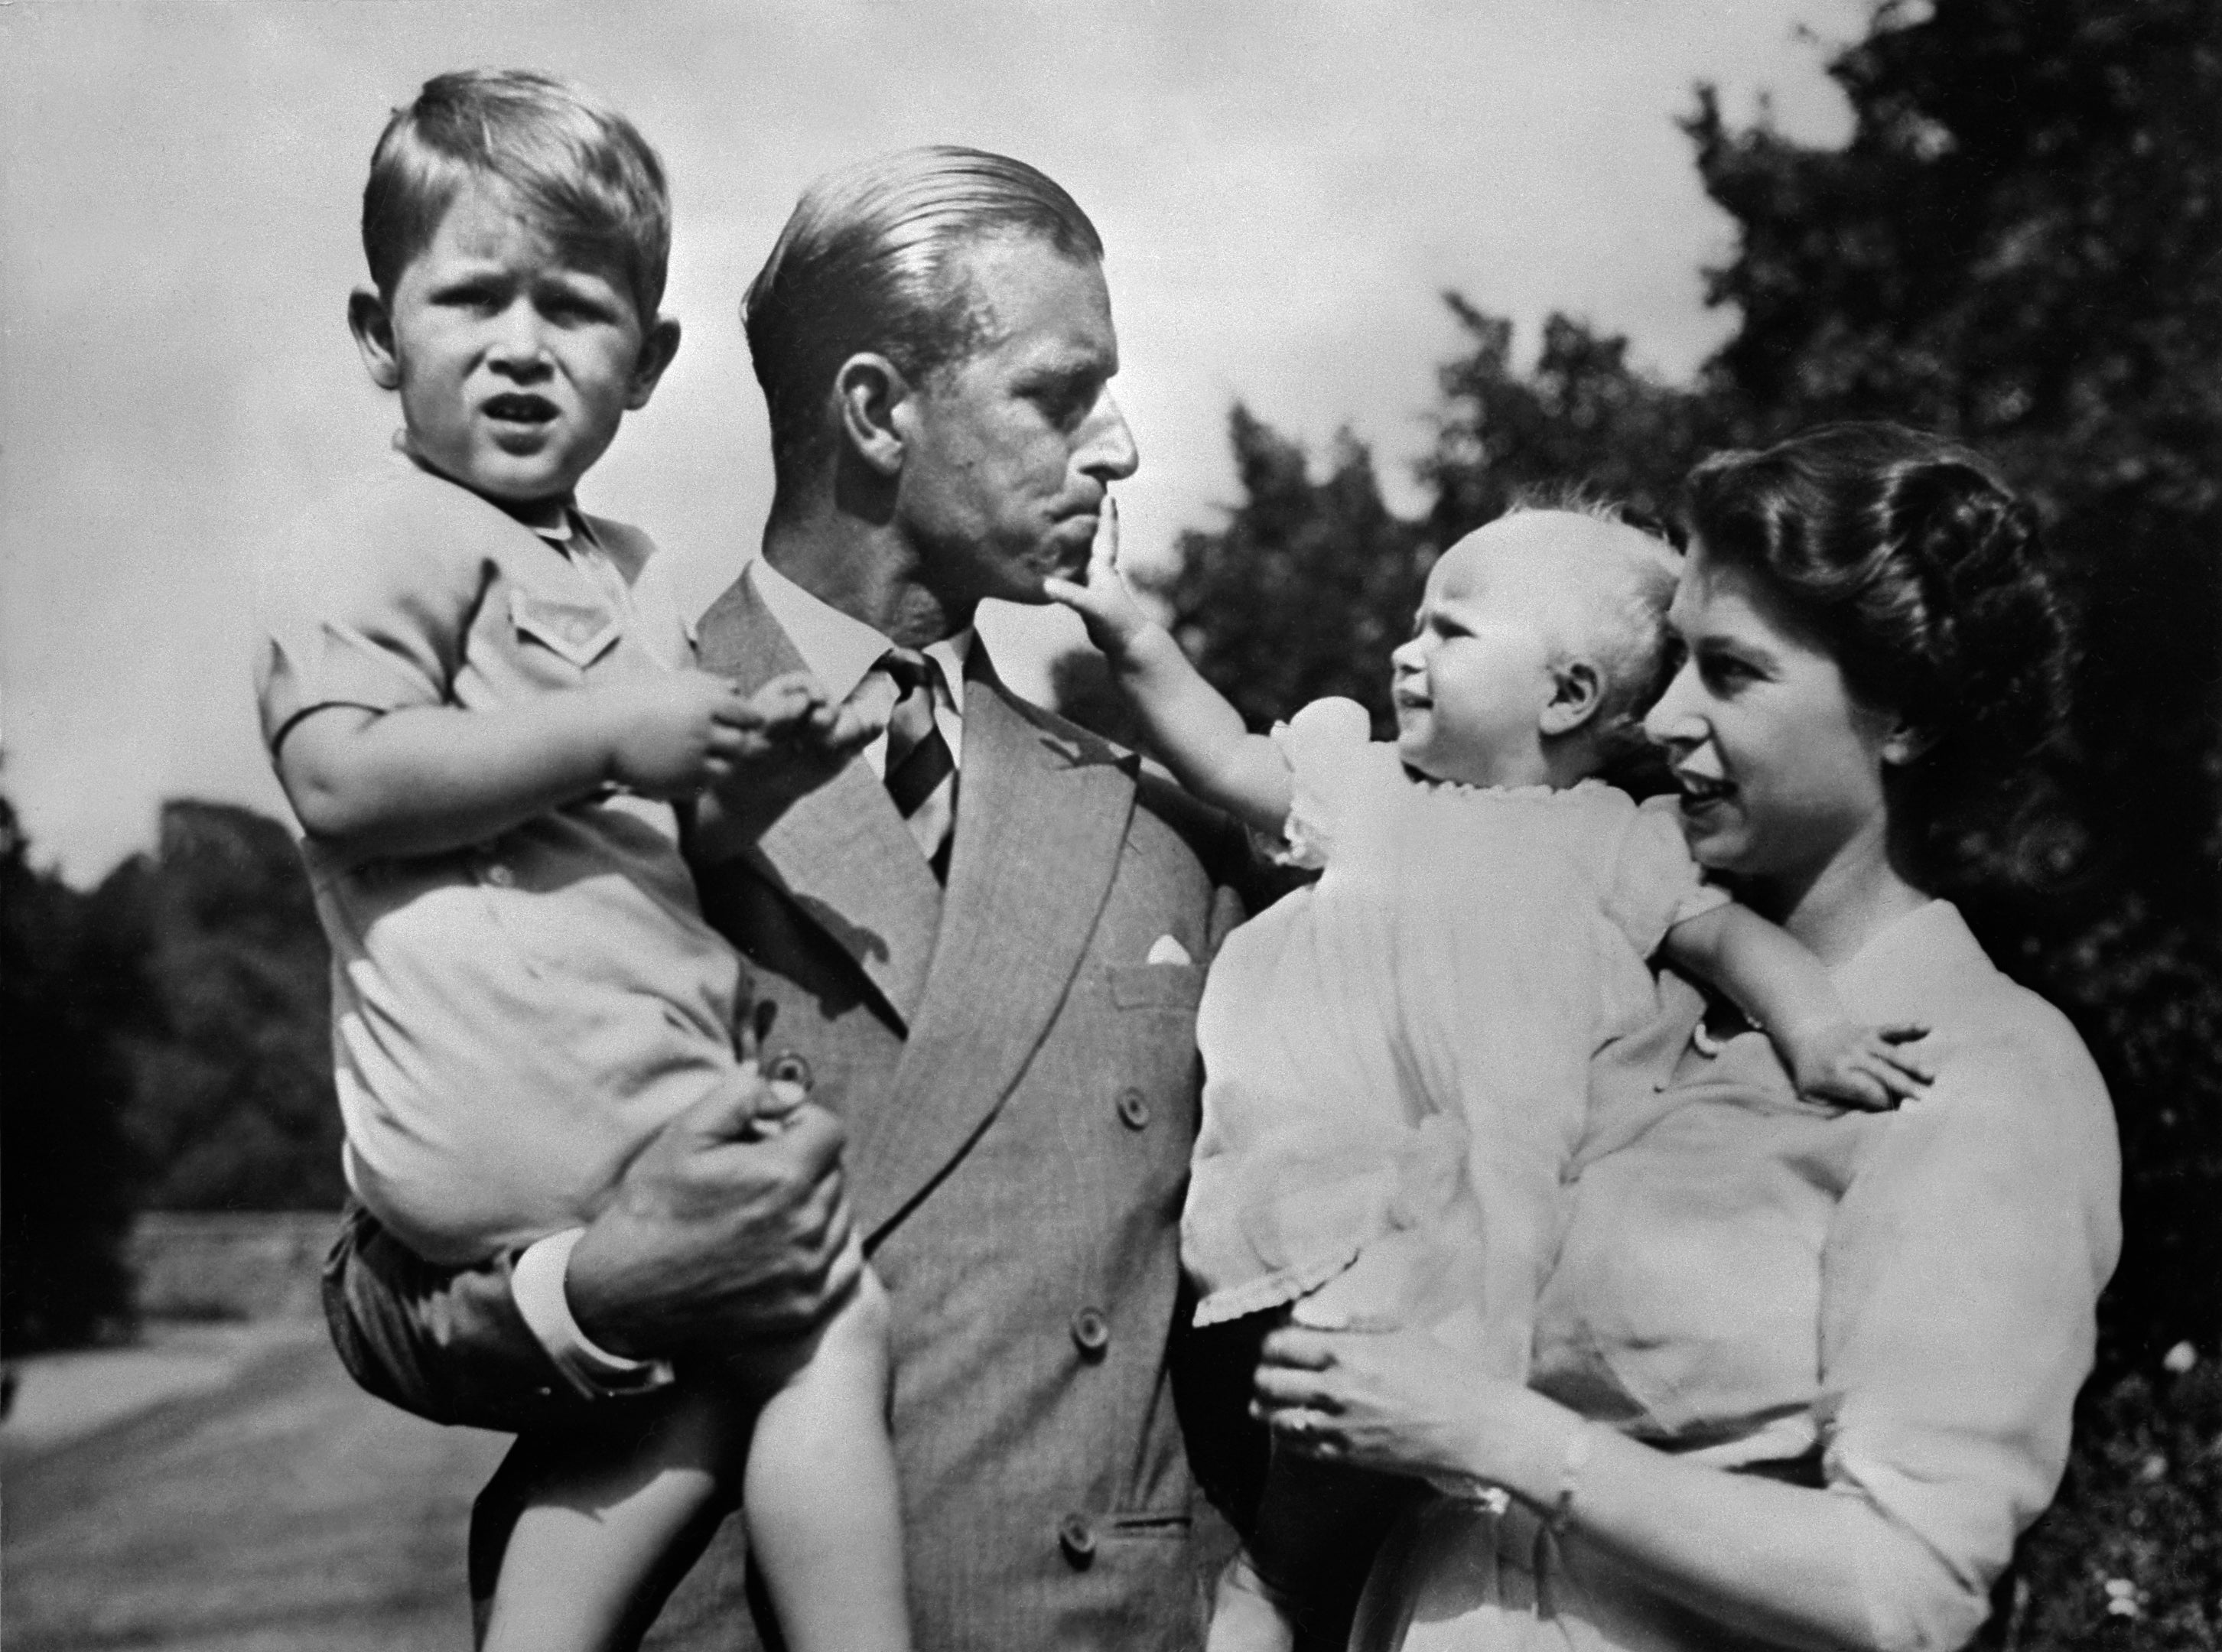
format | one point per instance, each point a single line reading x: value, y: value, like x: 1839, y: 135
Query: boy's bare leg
x: 600, y: 1519
x: 823, y: 1514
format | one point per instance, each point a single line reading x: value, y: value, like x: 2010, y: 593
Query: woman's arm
x: 1787, y: 1564
x: 1784, y: 989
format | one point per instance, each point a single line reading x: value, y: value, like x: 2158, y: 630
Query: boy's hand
x: 673, y: 732
x: 1869, y: 1068
x: 1105, y: 604
x: 789, y: 740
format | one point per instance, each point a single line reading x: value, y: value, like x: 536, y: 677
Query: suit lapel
x: 841, y: 854
x: 1041, y: 818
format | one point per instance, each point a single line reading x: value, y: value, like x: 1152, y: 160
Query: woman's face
x: 1780, y: 769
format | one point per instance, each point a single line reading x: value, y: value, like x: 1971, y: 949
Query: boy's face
x: 514, y: 364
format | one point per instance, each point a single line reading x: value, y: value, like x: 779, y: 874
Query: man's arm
x: 714, y: 1243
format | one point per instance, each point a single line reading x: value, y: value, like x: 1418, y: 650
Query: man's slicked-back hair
x: 866, y: 262
x: 577, y: 170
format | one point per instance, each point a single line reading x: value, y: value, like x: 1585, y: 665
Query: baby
x: 474, y: 695
x: 1396, y: 1058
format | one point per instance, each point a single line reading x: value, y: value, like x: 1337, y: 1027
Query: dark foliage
x: 1325, y: 577
x: 228, y: 1037
x: 64, y: 1169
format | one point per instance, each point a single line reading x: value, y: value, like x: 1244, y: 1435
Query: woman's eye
x: 1725, y: 671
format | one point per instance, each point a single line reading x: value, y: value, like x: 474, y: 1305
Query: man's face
x: 1008, y: 452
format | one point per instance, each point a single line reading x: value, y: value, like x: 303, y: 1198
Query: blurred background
x: 1373, y: 269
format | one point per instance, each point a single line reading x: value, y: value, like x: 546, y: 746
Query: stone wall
x: 231, y: 1265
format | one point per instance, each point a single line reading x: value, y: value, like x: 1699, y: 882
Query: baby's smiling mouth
x: 518, y: 407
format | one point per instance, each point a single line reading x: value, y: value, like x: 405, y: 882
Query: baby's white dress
x: 1396, y: 1058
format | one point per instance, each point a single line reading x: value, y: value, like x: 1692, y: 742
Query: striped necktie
x: 921, y: 771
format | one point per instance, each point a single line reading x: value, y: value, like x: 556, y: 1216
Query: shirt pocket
x: 577, y: 632
x: 1155, y: 986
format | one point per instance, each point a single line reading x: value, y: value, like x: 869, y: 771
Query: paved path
x: 272, y: 1509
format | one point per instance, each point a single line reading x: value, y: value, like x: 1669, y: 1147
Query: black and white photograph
x: 1256, y: 825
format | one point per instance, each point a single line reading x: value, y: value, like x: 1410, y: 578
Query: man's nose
x: 1107, y: 450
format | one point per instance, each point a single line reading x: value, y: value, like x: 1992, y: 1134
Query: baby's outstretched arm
x: 1191, y: 725
x: 423, y: 779
x: 1781, y: 985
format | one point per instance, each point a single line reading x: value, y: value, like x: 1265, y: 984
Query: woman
x: 1801, y: 1377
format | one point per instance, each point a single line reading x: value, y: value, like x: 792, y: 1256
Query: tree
x: 65, y: 1172
x: 230, y: 1044
x: 1307, y: 589
x: 1584, y: 416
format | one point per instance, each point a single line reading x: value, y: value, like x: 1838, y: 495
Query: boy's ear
x: 1577, y: 690
x: 373, y: 327
x: 874, y: 400
x: 657, y: 346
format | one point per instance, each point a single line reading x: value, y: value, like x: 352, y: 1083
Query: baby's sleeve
x: 371, y: 612
x: 1332, y: 764
x: 1656, y: 884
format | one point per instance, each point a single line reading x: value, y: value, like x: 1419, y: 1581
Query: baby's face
x: 514, y: 363
x: 1471, y: 686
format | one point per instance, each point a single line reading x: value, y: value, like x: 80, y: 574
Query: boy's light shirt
x: 840, y: 651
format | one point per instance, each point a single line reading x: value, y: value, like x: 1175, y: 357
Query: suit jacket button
x: 789, y: 1068
x: 1091, y: 1332
x: 1076, y: 1538
x: 1133, y: 1108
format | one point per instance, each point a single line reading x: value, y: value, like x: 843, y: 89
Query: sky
x: 1284, y: 188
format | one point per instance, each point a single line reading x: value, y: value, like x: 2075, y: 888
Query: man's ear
x: 871, y: 392
x: 657, y: 347
x: 1577, y: 690
x: 373, y: 327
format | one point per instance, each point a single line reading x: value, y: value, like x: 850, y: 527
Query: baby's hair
x: 1624, y: 624
x: 578, y: 170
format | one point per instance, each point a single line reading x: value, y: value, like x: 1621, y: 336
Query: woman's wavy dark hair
x: 1925, y: 578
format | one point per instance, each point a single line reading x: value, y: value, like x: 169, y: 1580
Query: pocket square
x: 1166, y: 950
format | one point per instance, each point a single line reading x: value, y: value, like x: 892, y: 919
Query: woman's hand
x: 1404, y: 1403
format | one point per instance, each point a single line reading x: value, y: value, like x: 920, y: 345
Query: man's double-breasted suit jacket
x: 1014, y: 1060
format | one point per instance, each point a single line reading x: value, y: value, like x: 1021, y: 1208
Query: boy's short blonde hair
x: 578, y: 170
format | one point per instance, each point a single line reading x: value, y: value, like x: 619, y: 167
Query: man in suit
x: 983, y: 942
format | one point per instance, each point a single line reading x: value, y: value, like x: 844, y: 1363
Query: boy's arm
x: 1781, y: 986
x: 422, y: 779
x: 1190, y: 724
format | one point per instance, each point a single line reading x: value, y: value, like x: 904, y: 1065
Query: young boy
x: 475, y: 697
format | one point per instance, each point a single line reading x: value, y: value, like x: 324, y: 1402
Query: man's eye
x: 1065, y: 401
